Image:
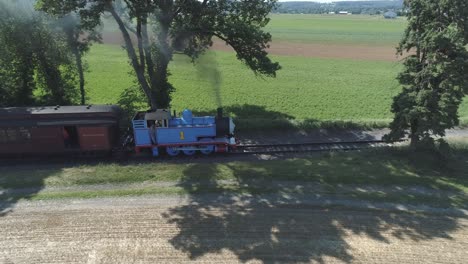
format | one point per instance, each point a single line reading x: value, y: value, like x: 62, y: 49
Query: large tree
x: 188, y: 26
x: 435, y: 75
x: 35, y: 64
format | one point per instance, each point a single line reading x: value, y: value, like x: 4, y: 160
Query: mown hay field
x: 311, y: 88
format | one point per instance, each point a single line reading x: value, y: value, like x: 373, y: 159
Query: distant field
x: 338, y: 68
x: 336, y: 29
x: 327, y: 29
x: 304, y: 89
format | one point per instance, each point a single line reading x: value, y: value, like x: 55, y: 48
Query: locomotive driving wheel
x: 172, y: 151
x: 189, y: 150
x: 206, y: 149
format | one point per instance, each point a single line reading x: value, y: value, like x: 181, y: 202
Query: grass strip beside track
x: 380, y: 167
x: 383, y: 168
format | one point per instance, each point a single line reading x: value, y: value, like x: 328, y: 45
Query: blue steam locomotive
x: 159, y: 130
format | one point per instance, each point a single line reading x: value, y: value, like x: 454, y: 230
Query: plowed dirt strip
x: 171, y: 231
x: 308, y: 50
x: 326, y: 51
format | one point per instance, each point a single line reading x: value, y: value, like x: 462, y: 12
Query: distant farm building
x: 344, y: 13
x: 390, y: 15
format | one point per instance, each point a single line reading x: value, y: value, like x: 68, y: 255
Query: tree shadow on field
x: 19, y: 183
x: 248, y: 111
x: 287, y: 223
x: 257, y: 123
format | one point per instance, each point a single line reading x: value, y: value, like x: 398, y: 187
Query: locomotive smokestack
x: 220, y: 112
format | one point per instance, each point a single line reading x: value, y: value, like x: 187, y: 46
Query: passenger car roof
x: 59, y: 115
x: 50, y: 110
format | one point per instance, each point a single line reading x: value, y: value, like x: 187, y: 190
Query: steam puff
x: 207, y: 68
x: 26, y: 7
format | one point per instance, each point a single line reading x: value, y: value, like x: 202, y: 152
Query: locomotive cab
x: 159, y: 118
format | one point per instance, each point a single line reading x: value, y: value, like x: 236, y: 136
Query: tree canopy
x: 435, y: 77
x: 35, y: 62
x: 187, y: 26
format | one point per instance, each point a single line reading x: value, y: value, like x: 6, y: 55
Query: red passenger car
x: 59, y: 129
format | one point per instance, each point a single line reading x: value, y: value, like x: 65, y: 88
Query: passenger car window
x: 16, y: 134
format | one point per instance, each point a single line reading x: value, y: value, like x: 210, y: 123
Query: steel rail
x: 309, y: 147
x: 248, y: 149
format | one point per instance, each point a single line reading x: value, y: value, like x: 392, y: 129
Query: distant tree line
x: 354, y: 7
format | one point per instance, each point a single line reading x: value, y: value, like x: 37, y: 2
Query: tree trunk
x: 52, y: 80
x: 51, y: 74
x: 79, y: 65
x: 139, y: 70
x: 23, y: 96
x: 73, y: 36
x: 147, y: 51
x: 140, y: 44
x: 414, y: 137
x: 160, y: 84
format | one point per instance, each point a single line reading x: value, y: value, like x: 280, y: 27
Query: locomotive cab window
x: 160, y: 118
x: 158, y: 123
x: 70, y: 137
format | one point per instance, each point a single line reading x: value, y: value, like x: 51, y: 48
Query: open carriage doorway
x: 70, y: 137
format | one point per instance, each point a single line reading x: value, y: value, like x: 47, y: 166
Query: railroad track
x: 310, y: 147
x: 246, y: 149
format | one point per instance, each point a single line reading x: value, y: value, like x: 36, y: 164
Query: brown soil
x: 144, y: 230
x: 326, y: 51
x: 334, y: 51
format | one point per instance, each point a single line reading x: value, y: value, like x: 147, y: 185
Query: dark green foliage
x: 16, y: 58
x: 36, y: 66
x: 435, y: 78
x: 131, y: 101
x: 78, y: 42
x: 185, y: 26
x: 238, y: 23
